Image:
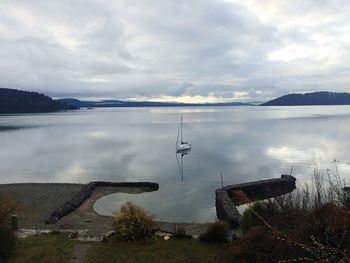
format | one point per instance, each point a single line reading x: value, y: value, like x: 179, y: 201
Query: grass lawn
x: 50, y: 248
x: 157, y: 250
x: 54, y: 248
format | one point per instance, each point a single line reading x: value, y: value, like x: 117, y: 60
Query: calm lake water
x: 138, y: 144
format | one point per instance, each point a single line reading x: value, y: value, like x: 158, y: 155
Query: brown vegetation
x: 133, y: 222
x: 216, y: 232
x: 310, y: 224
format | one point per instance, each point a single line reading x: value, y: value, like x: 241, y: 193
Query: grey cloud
x: 129, y: 49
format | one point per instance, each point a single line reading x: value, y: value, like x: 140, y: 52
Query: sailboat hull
x: 183, y: 147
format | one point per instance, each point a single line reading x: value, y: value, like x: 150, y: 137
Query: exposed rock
x: 108, y: 235
x: 73, y: 235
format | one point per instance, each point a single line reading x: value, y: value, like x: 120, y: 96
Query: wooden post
x: 14, y: 222
x: 222, y: 182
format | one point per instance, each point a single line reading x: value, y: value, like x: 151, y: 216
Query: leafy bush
x: 180, y: 232
x: 133, y: 222
x: 216, y: 232
x: 7, y: 238
x: 249, y: 219
x: 266, y: 209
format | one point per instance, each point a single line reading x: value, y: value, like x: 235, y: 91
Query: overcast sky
x: 176, y: 50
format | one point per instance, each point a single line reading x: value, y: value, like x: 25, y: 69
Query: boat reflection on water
x: 180, y: 163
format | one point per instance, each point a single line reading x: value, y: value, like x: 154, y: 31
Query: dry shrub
x: 180, y: 233
x: 239, y: 197
x: 320, y: 235
x: 274, y: 212
x: 249, y: 219
x: 216, y: 232
x: 330, y: 224
x: 261, y: 244
x: 311, y: 224
x: 133, y: 222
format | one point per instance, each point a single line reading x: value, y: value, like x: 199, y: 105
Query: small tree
x: 133, y: 222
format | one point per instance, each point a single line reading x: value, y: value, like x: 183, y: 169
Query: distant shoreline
x: 120, y: 103
x: 13, y: 101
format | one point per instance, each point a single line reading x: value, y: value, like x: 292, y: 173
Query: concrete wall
x: 226, y: 202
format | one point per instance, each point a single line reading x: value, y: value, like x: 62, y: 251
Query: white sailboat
x: 181, y: 146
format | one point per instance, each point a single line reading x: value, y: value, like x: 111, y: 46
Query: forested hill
x: 315, y: 98
x: 19, y: 101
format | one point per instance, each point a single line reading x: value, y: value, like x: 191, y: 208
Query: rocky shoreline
x: 38, y: 202
x: 69, y: 207
x: 86, y: 191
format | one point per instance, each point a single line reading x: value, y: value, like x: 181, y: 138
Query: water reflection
x: 244, y: 143
x: 9, y: 128
x: 180, y: 163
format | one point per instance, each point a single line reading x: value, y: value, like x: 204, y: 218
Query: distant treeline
x: 18, y: 101
x: 314, y: 98
x: 121, y: 103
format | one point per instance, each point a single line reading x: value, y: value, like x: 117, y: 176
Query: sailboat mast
x: 177, y: 139
x: 181, y: 130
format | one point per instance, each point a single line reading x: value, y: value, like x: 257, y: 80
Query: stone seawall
x: 86, y: 192
x: 226, y: 203
x: 225, y: 209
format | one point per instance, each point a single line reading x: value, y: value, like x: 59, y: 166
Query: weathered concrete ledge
x: 86, y: 192
x: 226, y: 201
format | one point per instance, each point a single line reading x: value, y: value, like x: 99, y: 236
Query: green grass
x: 50, y: 248
x: 54, y: 248
x: 157, y: 250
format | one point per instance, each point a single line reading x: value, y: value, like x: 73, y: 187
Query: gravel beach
x: 36, y: 201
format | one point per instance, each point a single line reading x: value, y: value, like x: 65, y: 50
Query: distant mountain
x: 314, y: 98
x: 19, y: 101
x: 120, y: 103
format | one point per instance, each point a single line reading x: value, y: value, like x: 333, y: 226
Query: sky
x: 175, y: 50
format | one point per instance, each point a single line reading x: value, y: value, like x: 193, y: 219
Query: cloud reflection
x: 244, y: 144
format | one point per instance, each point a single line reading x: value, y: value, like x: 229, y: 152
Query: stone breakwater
x: 226, y: 201
x: 86, y: 191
